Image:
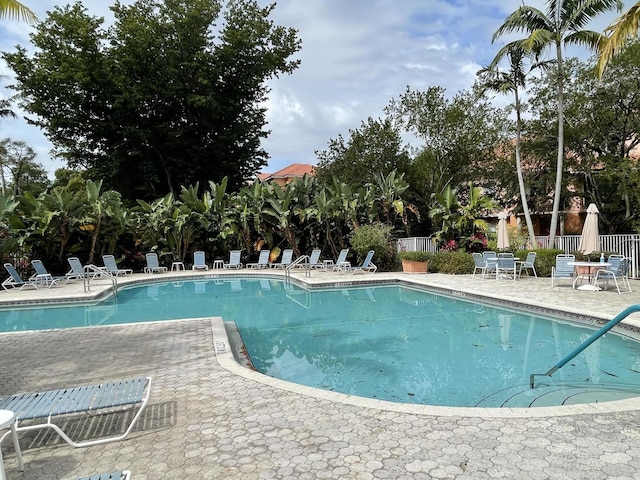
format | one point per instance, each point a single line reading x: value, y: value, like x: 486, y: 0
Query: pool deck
x: 209, y: 418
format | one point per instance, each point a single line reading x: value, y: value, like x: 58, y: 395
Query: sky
x: 356, y: 56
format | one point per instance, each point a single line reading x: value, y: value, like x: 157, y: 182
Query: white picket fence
x: 624, y: 244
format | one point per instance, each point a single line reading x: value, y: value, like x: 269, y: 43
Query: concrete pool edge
x: 226, y: 359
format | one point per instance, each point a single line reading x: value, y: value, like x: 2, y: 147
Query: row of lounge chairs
x: 311, y: 261
x: 43, y: 278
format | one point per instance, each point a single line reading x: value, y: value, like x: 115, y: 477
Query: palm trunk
x: 560, y: 162
x: 523, y: 193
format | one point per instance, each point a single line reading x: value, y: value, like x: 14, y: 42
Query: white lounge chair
x: 153, y: 265
x: 42, y: 275
x: 314, y: 258
x: 112, y: 267
x: 199, y: 262
x: 117, y: 475
x: 341, y: 261
x: 77, y: 269
x: 562, y: 269
x: 263, y: 260
x: 99, y: 398
x: 366, y: 266
x: 15, y: 280
x: 234, y: 259
x: 285, y: 261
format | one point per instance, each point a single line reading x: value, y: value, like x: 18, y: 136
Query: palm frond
x: 618, y: 33
x: 524, y: 19
x: 14, y: 10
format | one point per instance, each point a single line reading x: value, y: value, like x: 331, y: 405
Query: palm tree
x: 511, y: 82
x: 617, y: 34
x: 16, y: 11
x: 561, y: 25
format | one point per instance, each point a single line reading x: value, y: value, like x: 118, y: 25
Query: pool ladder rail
x: 91, y: 272
x: 301, y: 262
x: 596, y: 335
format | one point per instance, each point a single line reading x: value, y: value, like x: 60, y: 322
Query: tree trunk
x: 560, y: 165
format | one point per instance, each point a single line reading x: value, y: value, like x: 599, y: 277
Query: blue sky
x: 356, y: 56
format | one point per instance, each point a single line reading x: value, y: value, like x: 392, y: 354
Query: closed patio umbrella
x: 503, y: 234
x: 590, y: 238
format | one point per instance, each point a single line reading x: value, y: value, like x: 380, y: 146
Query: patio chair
x: 42, y: 275
x: 506, y: 266
x: 490, y: 259
x: 479, y: 264
x: 199, y: 262
x: 111, y: 266
x: 234, y: 259
x: 285, y: 261
x: 117, y: 475
x: 366, y: 266
x: 528, y: 264
x: 563, y: 268
x: 15, y: 280
x: 616, y: 271
x: 47, y: 406
x: 153, y: 265
x: 263, y: 260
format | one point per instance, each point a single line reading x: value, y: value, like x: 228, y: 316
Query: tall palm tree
x: 506, y: 82
x: 561, y: 25
x: 617, y: 34
x: 16, y: 11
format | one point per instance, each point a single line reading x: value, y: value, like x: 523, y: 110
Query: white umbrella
x: 503, y: 234
x: 590, y: 238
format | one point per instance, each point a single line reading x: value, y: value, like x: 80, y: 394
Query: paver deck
x: 209, y: 419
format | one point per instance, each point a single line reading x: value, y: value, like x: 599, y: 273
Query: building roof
x: 293, y: 170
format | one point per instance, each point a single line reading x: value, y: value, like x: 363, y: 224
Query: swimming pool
x: 387, y: 342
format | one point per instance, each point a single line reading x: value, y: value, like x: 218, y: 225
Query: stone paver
x: 210, y: 419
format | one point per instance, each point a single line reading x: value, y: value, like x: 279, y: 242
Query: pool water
x: 387, y: 342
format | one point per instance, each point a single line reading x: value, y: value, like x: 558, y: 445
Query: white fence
x: 627, y: 245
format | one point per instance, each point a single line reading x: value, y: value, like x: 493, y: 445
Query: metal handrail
x: 596, y: 335
x: 97, y: 271
x: 302, y: 259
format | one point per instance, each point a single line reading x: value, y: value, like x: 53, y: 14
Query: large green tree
x: 373, y: 149
x: 170, y: 95
x: 562, y: 24
x: 459, y: 135
x: 603, y: 121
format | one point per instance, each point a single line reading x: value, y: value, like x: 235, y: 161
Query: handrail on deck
x: 596, y: 335
x: 300, y: 261
x: 91, y: 271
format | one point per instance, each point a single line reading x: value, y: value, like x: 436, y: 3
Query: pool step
x: 522, y: 396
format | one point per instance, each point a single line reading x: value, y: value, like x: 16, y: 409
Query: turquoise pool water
x: 386, y: 342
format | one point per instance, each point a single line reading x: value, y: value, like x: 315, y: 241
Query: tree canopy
x: 170, y: 95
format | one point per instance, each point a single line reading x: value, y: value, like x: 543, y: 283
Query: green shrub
x: 455, y: 263
x: 374, y: 237
x: 416, y: 256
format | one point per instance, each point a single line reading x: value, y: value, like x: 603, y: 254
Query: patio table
x: 590, y: 274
